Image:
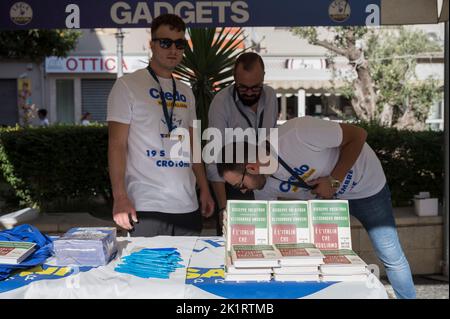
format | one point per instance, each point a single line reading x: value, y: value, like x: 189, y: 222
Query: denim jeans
x: 376, y: 215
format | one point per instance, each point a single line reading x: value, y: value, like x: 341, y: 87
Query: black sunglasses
x: 166, y: 43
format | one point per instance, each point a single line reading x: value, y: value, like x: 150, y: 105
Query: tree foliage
x: 385, y: 88
x: 35, y: 45
x: 208, y: 64
x: 392, y: 56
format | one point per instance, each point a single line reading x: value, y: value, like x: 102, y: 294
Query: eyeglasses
x: 166, y: 43
x: 241, y: 185
x: 254, y: 89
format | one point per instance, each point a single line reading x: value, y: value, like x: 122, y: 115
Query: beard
x: 249, y: 100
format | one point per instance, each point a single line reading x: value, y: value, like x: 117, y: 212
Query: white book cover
x: 343, y: 261
x: 307, y: 277
x: 288, y: 222
x: 296, y: 270
x: 247, y: 223
x: 14, y: 252
x: 345, y: 278
x: 230, y: 269
x: 260, y: 277
x: 257, y: 256
x: 299, y: 254
x: 330, y: 224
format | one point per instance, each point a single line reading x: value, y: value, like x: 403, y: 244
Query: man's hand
x: 206, y: 203
x: 322, y: 187
x: 122, y: 210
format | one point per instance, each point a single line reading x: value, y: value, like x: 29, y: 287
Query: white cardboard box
x: 13, y: 219
x: 426, y: 207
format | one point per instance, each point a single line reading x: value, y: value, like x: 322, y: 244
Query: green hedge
x: 412, y: 161
x: 70, y: 162
x: 45, y: 165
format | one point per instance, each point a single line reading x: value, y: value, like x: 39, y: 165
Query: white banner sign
x: 94, y: 64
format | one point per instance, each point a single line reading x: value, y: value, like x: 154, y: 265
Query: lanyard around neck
x: 169, y: 118
x: 300, y: 182
x: 261, y: 116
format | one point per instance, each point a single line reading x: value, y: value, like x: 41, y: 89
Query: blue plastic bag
x: 28, y: 233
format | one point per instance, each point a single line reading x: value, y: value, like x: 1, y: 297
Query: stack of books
x: 86, y: 246
x: 287, y: 241
x: 343, y: 265
x: 298, y: 262
x: 249, y: 257
x: 289, y: 232
x: 14, y: 252
x: 243, y: 274
x: 252, y: 262
x: 330, y: 222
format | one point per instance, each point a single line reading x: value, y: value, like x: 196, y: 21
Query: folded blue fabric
x: 27, y: 233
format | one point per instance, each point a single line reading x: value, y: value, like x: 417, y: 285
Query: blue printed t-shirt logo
x: 154, y: 93
x: 347, y: 185
x: 168, y: 96
x: 304, y: 171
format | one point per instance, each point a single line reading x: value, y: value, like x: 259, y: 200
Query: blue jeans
x: 376, y: 215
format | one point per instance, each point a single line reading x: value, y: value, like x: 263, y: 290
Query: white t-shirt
x: 310, y: 146
x: 44, y: 122
x: 154, y: 181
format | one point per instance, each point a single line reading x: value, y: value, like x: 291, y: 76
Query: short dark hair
x: 248, y: 61
x: 238, y: 163
x: 169, y: 19
x: 42, y: 112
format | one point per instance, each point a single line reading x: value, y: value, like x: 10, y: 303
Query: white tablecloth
x: 201, y: 278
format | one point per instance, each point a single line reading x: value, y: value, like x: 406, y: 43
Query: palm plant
x: 208, y: 64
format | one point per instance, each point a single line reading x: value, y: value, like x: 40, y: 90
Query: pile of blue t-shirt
x: 27, y: 233
x: 151, y: 263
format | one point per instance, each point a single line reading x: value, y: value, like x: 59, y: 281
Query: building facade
x: 299, y: 72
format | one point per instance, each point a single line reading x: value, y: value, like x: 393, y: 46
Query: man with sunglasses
x: 246, y: 104
x: 318, y: 158
x: 155, y: 193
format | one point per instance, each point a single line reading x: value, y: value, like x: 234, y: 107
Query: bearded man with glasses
x: 247, y: 104
x: 155, y: 194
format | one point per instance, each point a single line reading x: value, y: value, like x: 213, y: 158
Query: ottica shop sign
x: 93, y: 64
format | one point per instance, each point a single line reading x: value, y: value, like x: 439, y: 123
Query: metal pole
x: 301, y: 105
x: 119, y: 37
x: 446, y: 156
